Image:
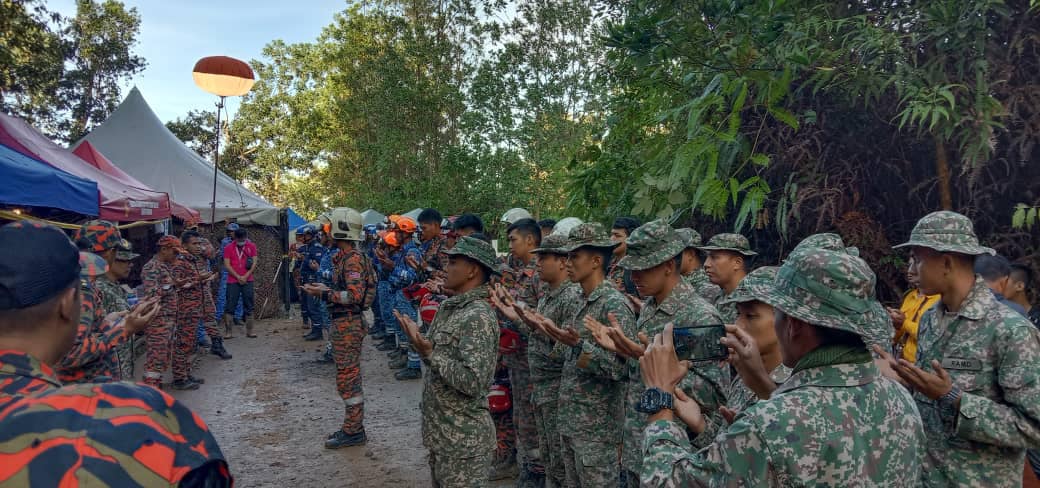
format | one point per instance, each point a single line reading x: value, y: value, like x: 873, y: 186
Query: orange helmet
x: 391, y: 239
x: 407, y: 224
x: 394, y: 218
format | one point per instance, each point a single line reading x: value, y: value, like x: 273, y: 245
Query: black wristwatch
x: 654, y: 400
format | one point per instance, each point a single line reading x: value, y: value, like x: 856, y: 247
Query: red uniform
x: 93, y: 355
x: 157, y: 278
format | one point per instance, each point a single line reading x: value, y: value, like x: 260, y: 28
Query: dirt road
x: 272, y: 405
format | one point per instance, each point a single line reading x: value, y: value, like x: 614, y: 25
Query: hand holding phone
x: 700, y: 342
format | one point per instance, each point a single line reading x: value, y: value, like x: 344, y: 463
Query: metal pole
x: 216, y: 158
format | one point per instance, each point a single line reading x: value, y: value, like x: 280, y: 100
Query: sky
x: 177, y: 33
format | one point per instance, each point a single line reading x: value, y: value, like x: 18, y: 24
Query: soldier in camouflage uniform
x: 653, y: 257
x: 622, y: 278
x: 692, y: 266
x: 559, y: 302
x: 114, y: 299
x: 353, y: 290
x: 592, y: 388
x: 459, y: 357
x: 158, y: 281
x: 102, y: 434
x: 836, y: 422
x: 976, y: 375
x: 728, y: 261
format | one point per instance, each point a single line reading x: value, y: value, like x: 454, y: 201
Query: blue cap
x: 232, y: 227
x: 33, y: 274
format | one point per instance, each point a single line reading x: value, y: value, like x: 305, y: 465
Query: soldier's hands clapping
x: 745, y: 357
x: 140, y: 316
x: 421, y: 345
x: 600, y: 335
x: 504, y: 303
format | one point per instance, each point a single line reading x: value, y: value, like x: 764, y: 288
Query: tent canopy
x: 90, y: 154
x: 120, y: 202
x: 32, y: 183
x: 414, y: 214
x: 136, y: 141
x: 372, y: 217
x: 294, y: 220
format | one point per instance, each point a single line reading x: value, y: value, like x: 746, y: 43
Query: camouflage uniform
x: 92, y: 356
x: 993, y: 357
x: 546, y: 358
x: 157, y: 280
x: 522, y: 283
x: 116, y: 434
x: 592, y: 388
x: 353, y: 278
x: 434, y: 258
x: 650, y: 245
x: 733, y: 243
x: 698, y: 278
x: 836, y: 422
x: 456, y: 423
x: 621, y: 278
x: 113, y: 299
x: 753, y: 287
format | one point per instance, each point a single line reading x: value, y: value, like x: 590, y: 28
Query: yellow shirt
x: 914, y: 306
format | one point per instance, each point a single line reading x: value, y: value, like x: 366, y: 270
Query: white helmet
x: 564, y: 226
x: 347, y: 224
x: 514, y: 214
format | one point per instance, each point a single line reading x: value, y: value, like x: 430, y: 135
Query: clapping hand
x: 538, y: 321
x: 501, y: 300
x: 421, y: 345
x: 141, y: 315
x: 613, y: 339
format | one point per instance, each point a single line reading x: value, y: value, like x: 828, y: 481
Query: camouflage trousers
x: 527, y: 452
x: 451, y: 472
x: 550, y: 443
x: 159, y: 338
x: 184, y: 345
x: 590, y: 463
x: 346, y: 334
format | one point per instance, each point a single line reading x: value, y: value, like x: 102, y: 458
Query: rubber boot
x: 399, y: 362
x: 408, y: 374
x: 315, y: 335
x: 185, y: 385
x: 387, y: 345
x: 217, y: 349
x: 249, y: 327
x: 340, y: 439
x: 228, y: 329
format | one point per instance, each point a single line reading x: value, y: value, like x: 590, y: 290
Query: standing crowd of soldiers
x: 815, y: 388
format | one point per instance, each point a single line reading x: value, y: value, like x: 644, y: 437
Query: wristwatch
x: 948, y: 403
x: 654, y: 400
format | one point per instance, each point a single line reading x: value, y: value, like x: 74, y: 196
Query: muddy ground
x: 272, y: 405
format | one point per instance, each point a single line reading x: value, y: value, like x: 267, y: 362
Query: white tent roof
x: 372, y: 216
x: 134, y: 139
x: 414, y: 214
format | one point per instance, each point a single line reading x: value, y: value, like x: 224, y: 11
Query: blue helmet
x: 306, y: 229
x: 232, y: 227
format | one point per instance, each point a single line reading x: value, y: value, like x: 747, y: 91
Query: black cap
x: 37, y: 262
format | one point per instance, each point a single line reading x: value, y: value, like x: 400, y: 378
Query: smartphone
x: 700, y: 342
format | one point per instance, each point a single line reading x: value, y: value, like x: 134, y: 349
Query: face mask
x: 240, y: 243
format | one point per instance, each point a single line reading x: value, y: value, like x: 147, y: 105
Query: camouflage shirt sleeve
x: 1015, y: 423
x: 348, y: 280
x: 738, y: 455
x: 89, y: 345
x: 595, y: 360
x: 473, y: 331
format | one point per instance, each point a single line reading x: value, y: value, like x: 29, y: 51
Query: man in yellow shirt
x: 906, y: 319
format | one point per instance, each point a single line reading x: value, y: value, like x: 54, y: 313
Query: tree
x: 31, y: 58
x: 197, y: 130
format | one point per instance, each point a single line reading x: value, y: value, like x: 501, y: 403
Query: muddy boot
x: 408, y: 374
x: 504, y: 469
x: 184, y: 385
x: 387, y: 345
x: 249, y: 327
x: 314, y: 335
x: 399, y: 362
x: 228, y: 332
x: 217, y: 349
x: 340, y: 439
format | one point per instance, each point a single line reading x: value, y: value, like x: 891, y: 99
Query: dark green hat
x: 755, y: 286
x: 690, y: 237
x: 828, y: 241
x: 651, y: 244
x: 589, y: 234
x: 729, y: 242
x: 946, y: 231
x: 477, y: 250
x: 552, y: 244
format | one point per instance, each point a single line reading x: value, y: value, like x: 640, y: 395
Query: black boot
x: 387, y: 345
x: 340, y: 439
x: 196, y: 380
x: 217, y: 349
x: 408, y: 374
x: 315, y: 335
x: 185, y: 385
x: 400, y: 362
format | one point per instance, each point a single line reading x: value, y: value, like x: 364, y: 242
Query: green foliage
x: 1024, y: 217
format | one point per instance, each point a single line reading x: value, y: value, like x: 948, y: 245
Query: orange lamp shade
x: 223, y: 76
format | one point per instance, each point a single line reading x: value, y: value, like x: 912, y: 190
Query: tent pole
x: 216, y: 159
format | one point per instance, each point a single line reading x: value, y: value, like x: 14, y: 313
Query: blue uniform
x: 401, y: 277
x: 324, y: 276
x: 310, y: 253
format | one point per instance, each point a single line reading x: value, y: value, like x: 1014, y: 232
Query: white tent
x: 134, y: 139
x: 372, y: 216
x: 414, y: 214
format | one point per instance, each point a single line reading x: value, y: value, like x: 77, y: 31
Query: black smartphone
x: 700, y: 342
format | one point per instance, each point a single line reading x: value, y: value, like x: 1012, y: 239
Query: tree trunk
x: 942, y: 172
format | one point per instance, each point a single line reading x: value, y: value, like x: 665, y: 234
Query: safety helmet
x: 347, y: 224
x: 306, y: 229
x: 232, y: 227
x: 564, y: 226
x: 407, y: 224
x: 514, y: 214
x: 391, y: 239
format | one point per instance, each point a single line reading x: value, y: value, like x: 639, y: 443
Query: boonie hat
x: 651, y: 244
x: 552, y: 244
x: 589, y: 234
x: 946, y: 231
x: 729, y: 242
x: 477, y: 250
x: 756, y: 285
x: 690, y: 237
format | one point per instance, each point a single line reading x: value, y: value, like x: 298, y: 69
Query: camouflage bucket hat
x: 729, y: 242
x: 589, y: 234
x: 831, y: 242
x: 552, y: 244
x: 946, y: 231
x: 91, y: 265
x: 477, y: 250
x: 827, y: 288
x: 755, y: 286
x: 125, y: 251
x: 98, y: 235
x: 690, y: 237
x: 651, y: 244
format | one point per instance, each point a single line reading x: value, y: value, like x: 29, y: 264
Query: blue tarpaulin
x: 294, y: 221
x: 32, y: 183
